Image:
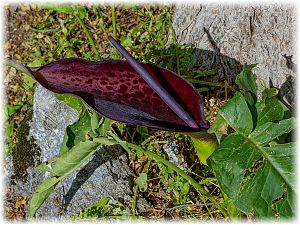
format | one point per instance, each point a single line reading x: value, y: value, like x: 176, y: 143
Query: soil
x: 17, y: 28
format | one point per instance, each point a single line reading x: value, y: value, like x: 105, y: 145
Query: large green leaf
x: 242, y: 152
x: 41, y: 194
x: 286, y: 206
x: 235, y: 154
x: 269, y: 131
x: 247, y: 82
x: 281, y: 157
x: 260, y: 191
x: 77, y: 131
x: 272, y: 111
x: 64, y: 165
x: 237, y: 114
x: 72, y: 159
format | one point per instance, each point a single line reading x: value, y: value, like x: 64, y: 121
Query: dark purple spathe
x: 136, y: 93
x: 162, y: 93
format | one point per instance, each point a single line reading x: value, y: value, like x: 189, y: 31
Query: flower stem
x: 87, y: 33
x: 113, y: 18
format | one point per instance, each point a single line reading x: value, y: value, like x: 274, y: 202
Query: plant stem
x: 134, y: 199
x: 193, y: 205
x: 87, y: 33
x: 113, y: 18
x: 120, y: 142
x: 206, y: 83
x: 159, y: 159
x: 203, y: 193
x: 102, y: 24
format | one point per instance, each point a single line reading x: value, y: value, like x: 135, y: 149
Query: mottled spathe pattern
x: 114, y: 89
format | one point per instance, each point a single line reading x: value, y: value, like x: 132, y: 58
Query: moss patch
x: 26, y: 153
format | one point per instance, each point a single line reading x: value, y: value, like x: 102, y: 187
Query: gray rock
x: 49, y: 121
x: 227, y: 36
x: 106, y: 174
x: 172, y: 150
x: 143, y: 205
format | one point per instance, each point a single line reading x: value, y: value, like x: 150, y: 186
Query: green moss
x: 26, y: 152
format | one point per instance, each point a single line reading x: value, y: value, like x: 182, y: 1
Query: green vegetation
x: 259, y: 151
x: 246, y: 127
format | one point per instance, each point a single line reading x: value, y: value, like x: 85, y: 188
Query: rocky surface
x: 106, y: 174
x: 227, y: 36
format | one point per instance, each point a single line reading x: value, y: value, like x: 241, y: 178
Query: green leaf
x: 82, y: 12
x: 204, y: 149
x: 141, y: 182
x: 281, y: 157
x: 41, y: 194
x: 93, y: 211
x: 65, y: 8
x: 36, y: 63
x: 241, y: 152
x: 63, y: 147
x: 11, y: 109
x: 272, y: 111
x: 247, y: 82
x: 96, y: 121
x: 9, y: 129
x: 143, y: 131
x: 78, y: 131
x: 102, y: 202
x: 105, y: 127
x: 43, y: 167
x: 260, y: 191
x: 269, y: 92
x: 72, y: 101
x: 269, y: 131
x: 286, y: 206
x: 126, y: 41
x: 233, y: 156
x: 185, y: 189
x: 71, y: 160
x: 237, y: 114
x: 29, y: 81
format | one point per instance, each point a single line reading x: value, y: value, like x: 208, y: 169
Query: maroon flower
x: 155, y: 97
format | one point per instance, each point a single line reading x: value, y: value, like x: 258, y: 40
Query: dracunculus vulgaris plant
x: 128, y: 91
x: 131, y: 92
